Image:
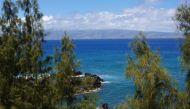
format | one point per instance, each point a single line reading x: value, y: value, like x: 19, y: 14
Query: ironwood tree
x: 182, y: 18
x: 66, y: 65
x: 154, y: 88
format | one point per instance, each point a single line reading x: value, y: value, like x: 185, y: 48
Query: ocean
x: 107, y: 58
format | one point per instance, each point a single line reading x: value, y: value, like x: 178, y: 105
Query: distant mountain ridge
x: 107, y: 34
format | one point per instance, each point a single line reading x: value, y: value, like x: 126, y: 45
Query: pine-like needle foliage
x: 183, y: 19
x: 66, y: 65
x: 154, y: 88
x: 23, y: 84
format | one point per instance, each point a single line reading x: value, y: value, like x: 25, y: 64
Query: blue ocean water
x: 107, y: 58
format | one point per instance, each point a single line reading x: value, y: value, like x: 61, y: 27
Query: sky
x: 143, y: 15
x: 65, y: 7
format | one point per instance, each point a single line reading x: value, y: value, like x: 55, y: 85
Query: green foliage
x: 25, y: 80
x: 154, y: 88
x: 183, y: 19
x: 9, y: 20
x: 87, y: 83
x: 66, y: 57
x: 21, y: 57
x: 9, y: 50
x: 89, y: 102
x: 8, y: 70
x: 65, y: 68
x: 68, y: 86
x: 32, y: 35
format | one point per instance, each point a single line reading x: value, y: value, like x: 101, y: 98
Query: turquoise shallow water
x: 107, y: 58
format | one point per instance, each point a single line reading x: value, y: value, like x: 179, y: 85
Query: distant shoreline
x: 109, y: 34
x: 115, y: 39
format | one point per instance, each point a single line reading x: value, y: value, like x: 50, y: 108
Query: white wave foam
x: 79, y: 76
x: 108, y: 77
x: 92, y: 91
x: 106, y: 82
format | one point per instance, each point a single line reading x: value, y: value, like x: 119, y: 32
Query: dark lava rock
x: 105, y: 106
x: 77, y: 73
x: 88, y: 74
x: 98, y: 80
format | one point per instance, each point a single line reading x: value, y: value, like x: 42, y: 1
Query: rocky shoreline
x: 95, y: 84
x: 85, y: 83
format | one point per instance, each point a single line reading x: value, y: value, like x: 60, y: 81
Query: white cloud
x: 47, y: 18
x: 148, y: 2
x: 151, y: 1
x: 136, y: 18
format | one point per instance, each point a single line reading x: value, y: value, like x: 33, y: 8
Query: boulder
x: 98, y: 80
x: 77, y: 73
x: 105, y: 106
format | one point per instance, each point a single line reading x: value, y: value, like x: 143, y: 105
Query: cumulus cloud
x: 136, y: 18
x: 47, y: 18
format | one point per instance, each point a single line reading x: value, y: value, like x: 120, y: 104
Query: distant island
x: 108, y: 34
